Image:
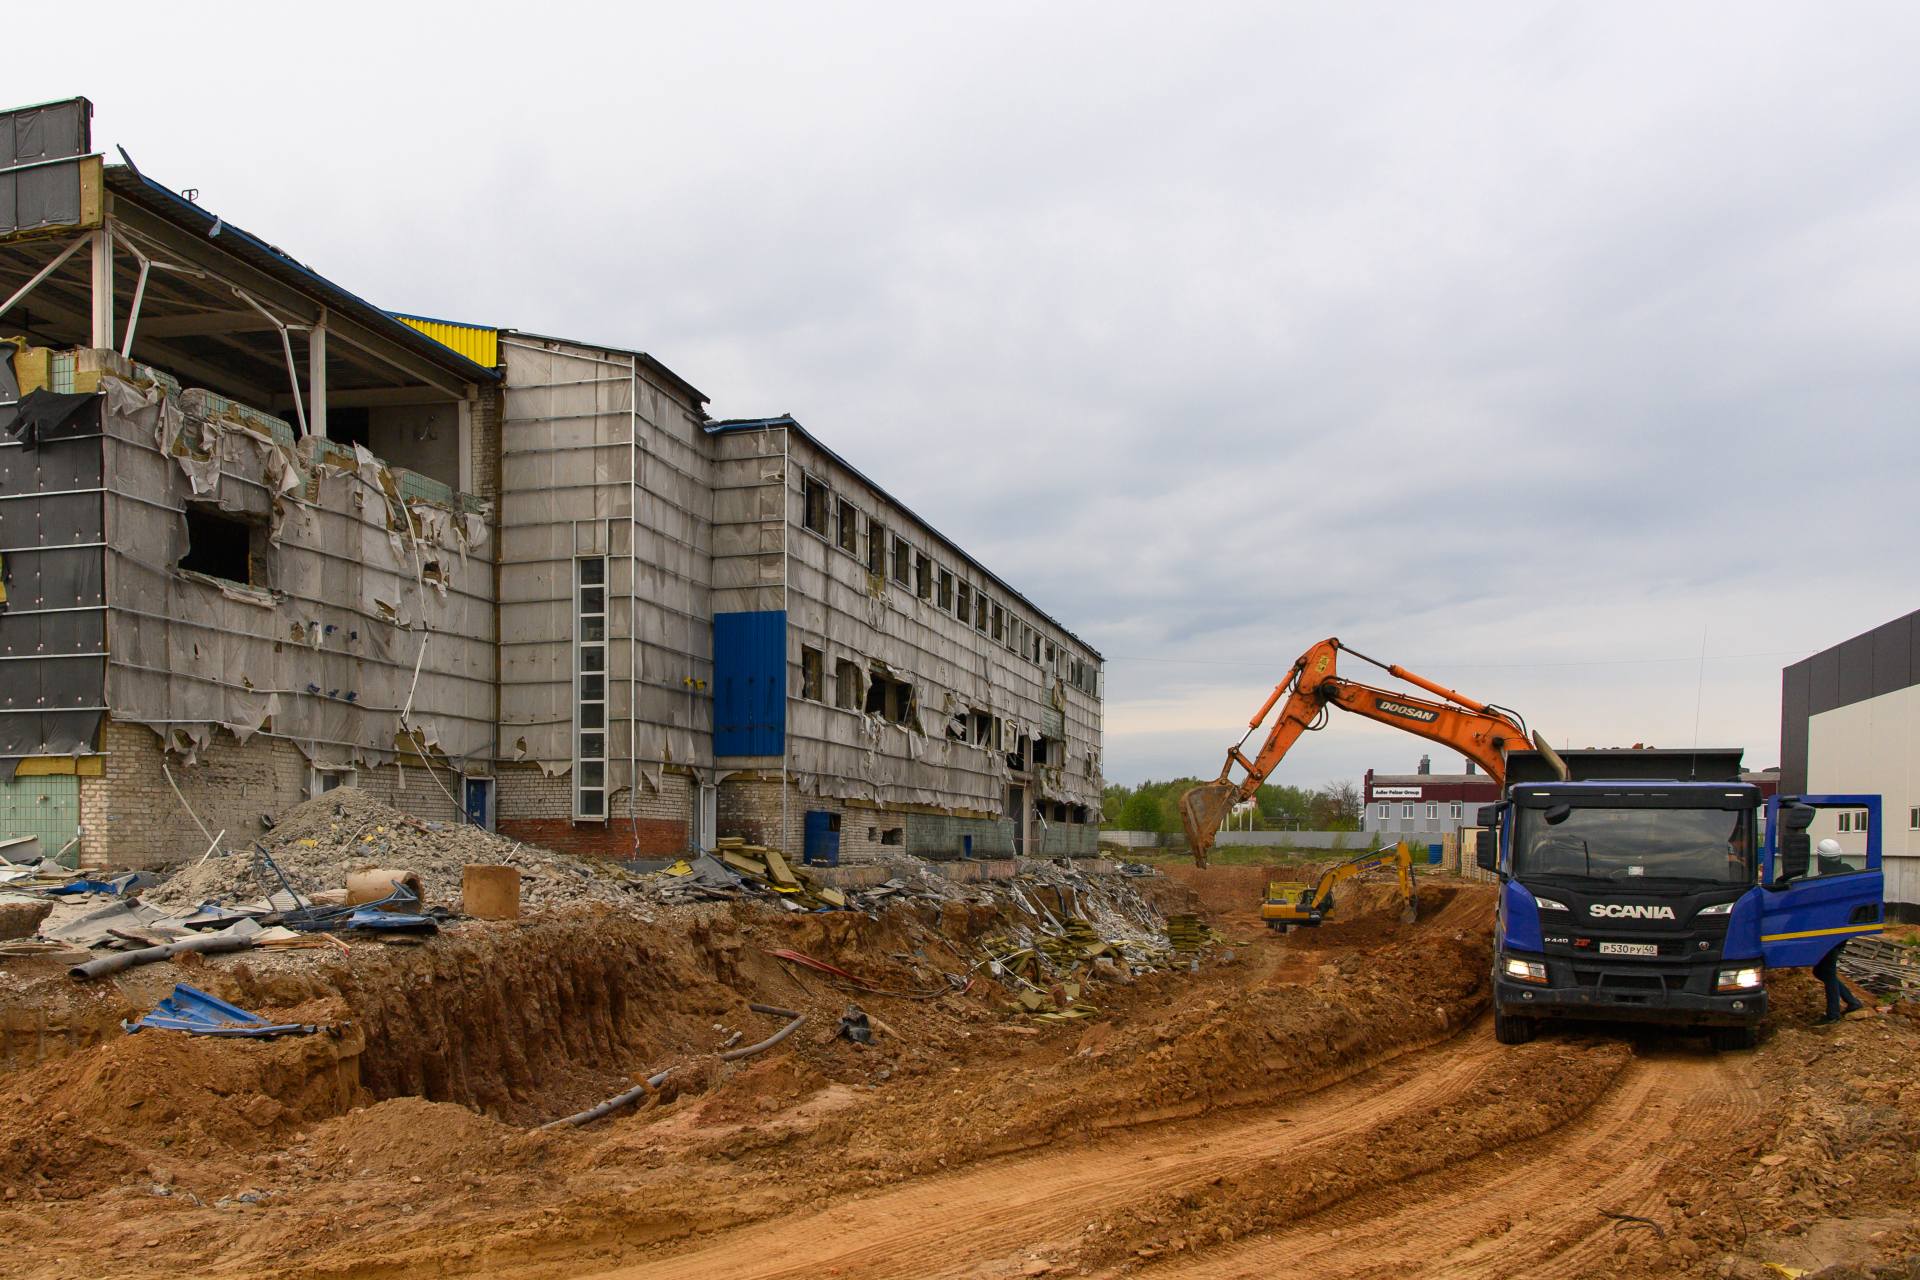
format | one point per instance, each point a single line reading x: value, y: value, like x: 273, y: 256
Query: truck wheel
x: 1732, y: 1039
x: 1511, y: 1030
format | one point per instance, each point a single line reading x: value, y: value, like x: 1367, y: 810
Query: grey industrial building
x: 260, y: 538
x: 1850, y: 724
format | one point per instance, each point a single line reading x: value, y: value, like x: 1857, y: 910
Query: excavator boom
x: 1479, y: 731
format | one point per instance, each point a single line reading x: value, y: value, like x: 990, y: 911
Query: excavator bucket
x: 1410, y: 912
x: 1202, y: 810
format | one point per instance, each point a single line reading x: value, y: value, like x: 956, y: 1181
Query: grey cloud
x: 1516, y: 343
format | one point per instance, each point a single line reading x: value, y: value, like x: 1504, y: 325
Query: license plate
x: 1629, y: 948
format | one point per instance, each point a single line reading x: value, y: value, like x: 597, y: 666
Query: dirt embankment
x: 413, y: 1117
x: 1329, y: 1103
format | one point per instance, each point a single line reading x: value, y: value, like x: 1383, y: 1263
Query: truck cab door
x: 1809, y: 903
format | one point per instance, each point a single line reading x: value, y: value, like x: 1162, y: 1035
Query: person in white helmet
x: 1830, y: 859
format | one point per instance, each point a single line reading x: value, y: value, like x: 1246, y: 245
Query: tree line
x: 1154, y: 806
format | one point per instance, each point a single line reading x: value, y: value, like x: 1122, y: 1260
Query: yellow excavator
x: 1290, y: 905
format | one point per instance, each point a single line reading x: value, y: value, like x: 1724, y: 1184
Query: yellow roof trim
x: 480, y: 345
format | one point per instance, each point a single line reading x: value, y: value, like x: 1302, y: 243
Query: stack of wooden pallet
x: 770, y: 868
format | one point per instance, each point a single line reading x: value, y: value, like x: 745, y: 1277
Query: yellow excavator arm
x: 1287, y: 906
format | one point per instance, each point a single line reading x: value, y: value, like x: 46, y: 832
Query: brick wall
x: 130, y: 817
x: 750, y: 808
x: 536, y: 808
x: 485, y: 443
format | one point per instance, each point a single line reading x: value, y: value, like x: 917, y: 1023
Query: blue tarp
x: 192, y: 1010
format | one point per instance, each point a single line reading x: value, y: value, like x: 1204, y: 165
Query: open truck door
x: 1811, y: 903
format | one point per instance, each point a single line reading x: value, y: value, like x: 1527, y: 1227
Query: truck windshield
x: 1710, y: 845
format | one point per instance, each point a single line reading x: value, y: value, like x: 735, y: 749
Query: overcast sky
x: 1532, y: 346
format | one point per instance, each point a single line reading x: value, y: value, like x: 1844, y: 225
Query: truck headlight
x: 1548, y: 904
x: 1718, y: 909
x: 1747, y: 979
x: 1527, y: 970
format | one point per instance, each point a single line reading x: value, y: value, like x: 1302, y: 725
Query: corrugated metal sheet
x: 482, y: 346
x: 750, y: 683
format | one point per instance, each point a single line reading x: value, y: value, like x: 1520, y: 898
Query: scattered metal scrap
x: 192, y: 1010
x: 794, y: 1019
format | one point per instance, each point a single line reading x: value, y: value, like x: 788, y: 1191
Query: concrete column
x: 317, y: 378
x: 102, y: 289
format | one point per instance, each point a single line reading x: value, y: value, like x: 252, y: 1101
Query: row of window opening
x: 891, y: 556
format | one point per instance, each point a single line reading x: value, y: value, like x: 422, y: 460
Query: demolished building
x: 260, y: 538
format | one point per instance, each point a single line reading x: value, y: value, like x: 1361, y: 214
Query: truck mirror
x: 1797, y: 817
x: 1489, y: 815
x: 1558, y: 814
x: 1796, y: 851
x: 1486, y: 851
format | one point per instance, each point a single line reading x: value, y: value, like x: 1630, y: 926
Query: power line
x: 1478, y: 666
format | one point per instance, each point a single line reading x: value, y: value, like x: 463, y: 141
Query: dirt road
x: 1491, y: 1215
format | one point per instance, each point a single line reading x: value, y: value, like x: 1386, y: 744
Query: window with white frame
x: 1913, y: 818
x: 1433, y: 813
x: 1457, y: 810
x: 1386, y: 811
x: 1846, y: 822
x: 1406, y: 811
x: 590, y: 689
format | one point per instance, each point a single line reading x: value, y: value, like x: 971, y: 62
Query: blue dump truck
x: 1656, y: 886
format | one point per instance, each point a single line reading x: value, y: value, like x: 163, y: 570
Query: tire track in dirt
x: 986, y: 1220
x: 1530, y: 1209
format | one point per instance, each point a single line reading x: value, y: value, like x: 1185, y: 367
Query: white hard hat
x: 1829, y: 848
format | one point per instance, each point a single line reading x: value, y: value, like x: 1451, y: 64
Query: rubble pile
x: 316, y: 843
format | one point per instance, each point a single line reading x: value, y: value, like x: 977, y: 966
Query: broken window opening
x: 346, y: 427
x: 218, y: 545
x: 1039, y: 751
x: 812, y: 674
x: 923, y: 577
x: 945, y: 598
x: 847, y: 684
x: 849, y: 530
x: 894, y: 835
x: 1059, y: 811
x: 1079, y: 815
x: 981, y: 730
x: 965, y: 608
x: 902, y: 561
x: 876, y: 549
x: 813, y: 504
x: 979, y: 612
x: 890, y: 698
x: 999, y: 623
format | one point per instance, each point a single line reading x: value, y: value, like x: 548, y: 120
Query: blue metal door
x: 1810, y: 906
x: 479, y: 804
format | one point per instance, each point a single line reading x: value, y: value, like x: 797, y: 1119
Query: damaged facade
x: 259, y: 538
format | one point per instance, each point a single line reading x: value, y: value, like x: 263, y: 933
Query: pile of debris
x: 316, y: 844
x: 742, y: 864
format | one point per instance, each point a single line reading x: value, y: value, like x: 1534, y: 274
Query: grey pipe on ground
x: 205, y: 944
x: 654, y: 1081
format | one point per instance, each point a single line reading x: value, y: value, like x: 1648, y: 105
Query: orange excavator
x: 1480, y: 731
